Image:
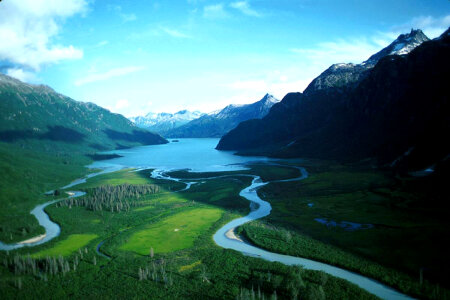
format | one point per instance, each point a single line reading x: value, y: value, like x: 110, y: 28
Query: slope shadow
x: 142, y: 137
x: 54, y: 133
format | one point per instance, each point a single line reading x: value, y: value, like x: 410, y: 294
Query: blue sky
x: 134, y: 57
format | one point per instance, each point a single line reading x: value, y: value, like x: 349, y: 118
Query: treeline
x: 290, y: 285
x: 113, y: 198
x: 41, y: 268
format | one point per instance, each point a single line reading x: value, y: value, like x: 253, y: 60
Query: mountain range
x: 217, y: 123
x: 393, y: 108
x: 162, y: 123
x: 32, y: 114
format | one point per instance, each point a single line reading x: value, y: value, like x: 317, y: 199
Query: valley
x: 173, y: 177
x: 176, y: 226
x: 192, y: 263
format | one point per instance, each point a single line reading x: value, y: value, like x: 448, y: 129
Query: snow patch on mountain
x: 162, y: 122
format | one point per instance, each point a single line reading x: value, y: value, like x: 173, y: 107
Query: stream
x: 198, y: 155
x: 263, y: 209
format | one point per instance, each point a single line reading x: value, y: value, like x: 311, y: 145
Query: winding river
x: 198, y: 155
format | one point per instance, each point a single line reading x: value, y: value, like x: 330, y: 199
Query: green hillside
x: 45, y: 142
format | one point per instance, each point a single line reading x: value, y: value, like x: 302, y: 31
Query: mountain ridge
x: 37, y: 112
x: 162, y: 123
x: 219, y: 122
x: 342, y: 74
x: 381, y: 115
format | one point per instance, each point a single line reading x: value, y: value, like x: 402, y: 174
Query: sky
x: 135, y: 57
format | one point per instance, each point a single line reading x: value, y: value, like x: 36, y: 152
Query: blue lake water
x: 198, y: 155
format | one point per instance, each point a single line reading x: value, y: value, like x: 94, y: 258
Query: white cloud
x: 432, y: 27
x: 27, y: 29
x: 215, y: 11
x: 102, y: 43
x: 126, y: 17
x: 107, y: 75
x: 22, y: 75
x: 244, y: 7
x: 249, y: 85
x: 278, y: 87
x: 121, y: 104
x: 353, y: 50
x: 175, y: 33
x: 358, y: 49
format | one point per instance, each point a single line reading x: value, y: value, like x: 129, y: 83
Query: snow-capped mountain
x: 163, y: 122
x: 217, y: 123
x: 404, y: 44
x: 343, y: 74
x: 394, y: 114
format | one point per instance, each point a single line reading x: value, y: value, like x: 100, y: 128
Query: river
x: 199, y: 155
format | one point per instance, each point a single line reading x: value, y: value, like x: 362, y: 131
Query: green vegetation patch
x: 190, y: 266
x: 266, y: 172
x: 67, y: 246
x: 400, y: 243
x: 173, y: 233
x: 118, y: 177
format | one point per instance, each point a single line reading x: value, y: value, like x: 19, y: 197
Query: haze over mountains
x: 393, y: 108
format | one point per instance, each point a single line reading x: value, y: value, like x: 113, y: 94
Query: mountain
x: 35, y: 116
x: 344, y: 74
x: 162, y: 123
x: 396, y: 111
x: 217, y: 123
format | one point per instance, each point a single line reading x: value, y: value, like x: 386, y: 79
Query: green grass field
x: 67, y: 246
x: 119, y: 177
x: 173, y: 233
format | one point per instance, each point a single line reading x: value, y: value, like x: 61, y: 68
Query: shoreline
x: 33, y: 239
x: 231, y: 234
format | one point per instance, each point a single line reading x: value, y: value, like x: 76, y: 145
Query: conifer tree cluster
x: 41, y: 268
x: 113, y: 198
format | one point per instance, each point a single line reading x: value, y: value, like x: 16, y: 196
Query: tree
x: 204, y: 275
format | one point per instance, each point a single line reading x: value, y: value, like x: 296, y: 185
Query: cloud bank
x: 29, y: 27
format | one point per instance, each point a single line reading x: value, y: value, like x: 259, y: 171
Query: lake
x: 198, y: 155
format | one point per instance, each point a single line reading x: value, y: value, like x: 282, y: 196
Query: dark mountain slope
x: 397, y: 113
x: 347, y: 74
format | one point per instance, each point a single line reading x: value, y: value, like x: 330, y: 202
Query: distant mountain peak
x: 218, y: 122
x: 270, y: 98
x: 402, y: 45
x: 163, y: 122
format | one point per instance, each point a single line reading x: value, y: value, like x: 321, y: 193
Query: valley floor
x: 157, y: 242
